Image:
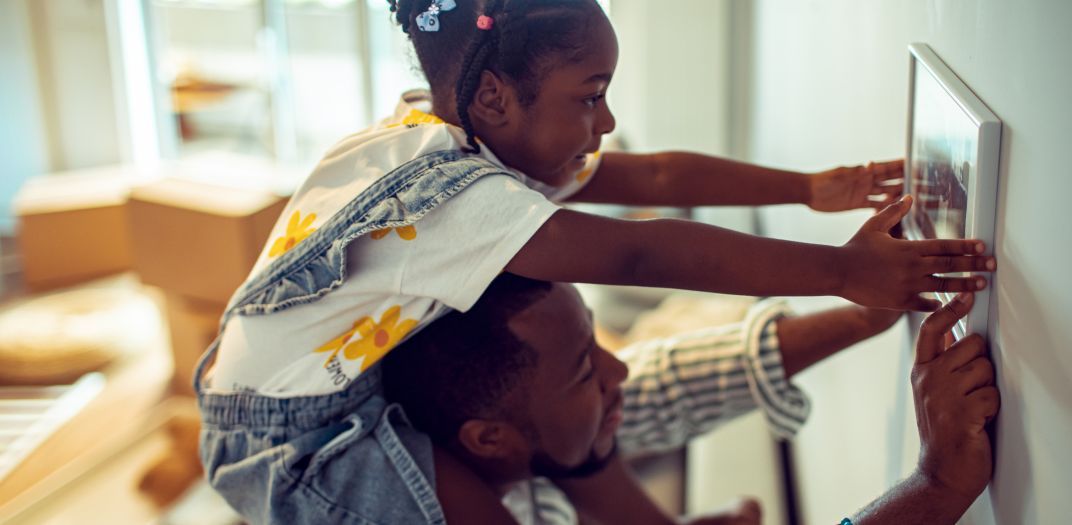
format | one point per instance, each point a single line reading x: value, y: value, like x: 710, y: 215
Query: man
x: 517, y: 388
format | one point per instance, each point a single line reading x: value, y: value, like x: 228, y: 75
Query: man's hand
x: 955, y: 398
x: 743, y: 511
x: 879, y: 270
x: 876, y: 185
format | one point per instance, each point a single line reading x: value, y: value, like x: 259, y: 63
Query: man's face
x: 574, y: 399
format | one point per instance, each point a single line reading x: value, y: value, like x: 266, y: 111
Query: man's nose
x: 612, y: 369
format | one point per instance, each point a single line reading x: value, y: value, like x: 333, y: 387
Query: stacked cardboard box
x: 72, y: 227
x: 197, y: 242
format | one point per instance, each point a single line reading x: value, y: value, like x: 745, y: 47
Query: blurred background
x: 146, y: 146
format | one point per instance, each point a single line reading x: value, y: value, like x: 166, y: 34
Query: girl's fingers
x: 880, y: 203
x: 886, y: 191
x: 920, y: 304
x: 949, y: 247
x: 954, y: 263
x: 888, y: 175
x: 890, y: 216
x: 954, y: 284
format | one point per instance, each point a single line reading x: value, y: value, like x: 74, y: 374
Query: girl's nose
x: 606, y: 122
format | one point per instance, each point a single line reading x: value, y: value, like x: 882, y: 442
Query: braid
x: 526, y: 39
x: 403, y: 11
x: 472, y: 67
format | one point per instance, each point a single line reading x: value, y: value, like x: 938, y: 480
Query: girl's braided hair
x: 527, y: 39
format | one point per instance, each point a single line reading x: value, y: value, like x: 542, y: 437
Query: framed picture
x: 951, y: 165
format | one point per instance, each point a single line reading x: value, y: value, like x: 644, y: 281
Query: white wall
x: 672, y: 90
x: 76, y: 82
x: 830, y: 87
x: 23, y: 151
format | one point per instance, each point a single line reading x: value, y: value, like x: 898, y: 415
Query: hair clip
x: 484, y: 22
x: 429, y: 20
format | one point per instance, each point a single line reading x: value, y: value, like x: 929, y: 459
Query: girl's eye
x: 593, y: 100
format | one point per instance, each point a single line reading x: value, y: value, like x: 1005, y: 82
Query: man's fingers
x: 978, y: 373
x: 954, y: 284
x: 936, y: 325
x: 984, y: 402
x: 949, y: 247
x: 890, y: 216
x: 964, y: 351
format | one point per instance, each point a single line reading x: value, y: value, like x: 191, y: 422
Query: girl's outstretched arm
x: 872, y: 269
x: 692, y: 179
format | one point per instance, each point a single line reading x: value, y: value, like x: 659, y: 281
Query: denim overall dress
x: 348, y: 456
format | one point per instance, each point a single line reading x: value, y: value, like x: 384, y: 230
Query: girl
x: 416, y: 216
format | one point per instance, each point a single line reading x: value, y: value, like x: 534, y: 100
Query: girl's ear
x: 492, y: 103
x: 491, y: 440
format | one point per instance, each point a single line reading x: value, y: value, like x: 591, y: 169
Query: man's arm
x: 807, y: 339
x: 464, y: 497
x: 915, y: 500
x: 613, y: 495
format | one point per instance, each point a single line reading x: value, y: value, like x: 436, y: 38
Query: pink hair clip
x: 484, y: 22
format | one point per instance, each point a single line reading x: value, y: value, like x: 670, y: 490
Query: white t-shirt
x: 399, y: 279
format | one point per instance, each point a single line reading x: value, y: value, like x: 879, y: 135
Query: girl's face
x: 549, y: 139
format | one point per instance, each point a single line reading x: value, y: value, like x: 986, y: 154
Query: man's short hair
x: 465, y: 365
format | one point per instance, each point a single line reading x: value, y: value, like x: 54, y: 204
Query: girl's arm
x: 872, y: 269
x: 691, y: 179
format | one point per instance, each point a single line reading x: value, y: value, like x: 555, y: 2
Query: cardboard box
x: 72, y: 227
x: 192, y: 326
x: 199, y: 240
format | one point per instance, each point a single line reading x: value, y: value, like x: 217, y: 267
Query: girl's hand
x: 876, y: 185
x: 880, y: 271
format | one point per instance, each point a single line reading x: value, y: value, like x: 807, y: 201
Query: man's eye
x: 592, y: 101
x: 590, y: 374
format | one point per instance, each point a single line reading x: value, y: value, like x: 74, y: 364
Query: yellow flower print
x: 407, y: 233
x: 588, y: 171
x: 376, y: 338
x: 416, y: 117
x: 297, y: 230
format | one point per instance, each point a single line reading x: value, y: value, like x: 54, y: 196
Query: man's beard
x: 542, y: 465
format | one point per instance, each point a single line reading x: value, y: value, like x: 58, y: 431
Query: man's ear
x: 490, y: 440
x: 492, y: 101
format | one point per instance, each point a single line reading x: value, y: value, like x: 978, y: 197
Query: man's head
x: 516, y: 386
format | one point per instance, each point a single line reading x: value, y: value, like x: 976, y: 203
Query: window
x: 282, y: 79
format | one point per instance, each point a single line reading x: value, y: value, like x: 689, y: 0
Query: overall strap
x: 318, y: 264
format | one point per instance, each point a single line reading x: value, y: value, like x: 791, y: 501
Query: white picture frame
x: 951, y: 166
